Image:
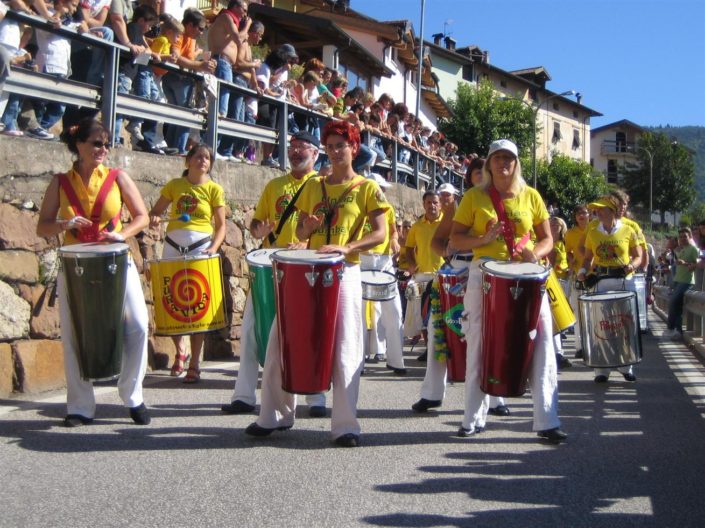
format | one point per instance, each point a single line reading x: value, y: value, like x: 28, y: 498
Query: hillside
x: 692, y: 137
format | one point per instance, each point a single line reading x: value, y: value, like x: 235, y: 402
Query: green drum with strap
x: 262, y: 290
x: 95, y: 278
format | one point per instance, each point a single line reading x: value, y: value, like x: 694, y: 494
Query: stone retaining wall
x: 31, y: 357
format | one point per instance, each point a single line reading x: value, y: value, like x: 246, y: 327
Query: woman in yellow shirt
x: 476, y: 227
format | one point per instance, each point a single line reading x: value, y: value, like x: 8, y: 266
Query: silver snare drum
x: 610, y: 329
x: 378, y: 285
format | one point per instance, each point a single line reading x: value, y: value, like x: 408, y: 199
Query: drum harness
x: 272, y: 237
x: 185, y: 250
x: 508, y: 230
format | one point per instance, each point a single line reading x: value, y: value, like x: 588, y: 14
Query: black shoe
x: 348, y: 440
x: 579, y: 354
x: 601, y: 379
x: 140, y: 415
x: 629, y: 376
x: 255, y: 430
x: 563, y: 362
x: 237, y: 407
x: 317, y: 411
x: 500, y: 410
x: 554, y: 436
x: 76, y: 420
x: 423, y: 357
x: 424, y: 405
x: 397, y: 371
x: 146, y: 146
x: 467, y: 433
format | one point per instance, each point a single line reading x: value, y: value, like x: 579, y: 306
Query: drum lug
x: 327, y: 278
x: 280, y: 275
x: 112, y: 268
x: 311, y: 277
x: 340, y: 274
x: 78, y: 270
x: 516, y: 291
x: 486, y: 286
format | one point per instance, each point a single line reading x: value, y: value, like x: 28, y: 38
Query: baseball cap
x: 289, y: 51
x: 307, y: 137
x: 503, y: 144
x: 605, y: 201
x: 447, y: 188
x: 384, y: 184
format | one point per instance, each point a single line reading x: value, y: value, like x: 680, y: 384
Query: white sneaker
x: 135, y: 130
x: 234, y: 159
x: 221, y: 157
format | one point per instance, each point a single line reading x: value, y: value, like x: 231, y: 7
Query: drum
x: 188, y: 295
x: 262, y: 288
x: 306, y: 293
x: 378, y: 285
x: 561, y: 312
x: 452, y: 283
x: 610, y: 329
x: 639, y: 280
x: 511, y: 303
x: 95, y: 276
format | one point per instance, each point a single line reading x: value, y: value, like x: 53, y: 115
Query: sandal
x: 178, y: 367
x: 193, y: 375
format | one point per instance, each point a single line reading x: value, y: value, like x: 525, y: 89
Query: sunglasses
x: 99, y: 144
x: 201, y: 28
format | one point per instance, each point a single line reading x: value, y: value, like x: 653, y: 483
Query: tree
x: 480, y: 117
x: 565, y: 183
x: 673, y: 175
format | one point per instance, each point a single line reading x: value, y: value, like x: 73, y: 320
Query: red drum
x: 511, y: 302
x: 307, y: 288
x: 452, y: 283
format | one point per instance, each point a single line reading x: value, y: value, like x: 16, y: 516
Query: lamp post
x: 651, y: 185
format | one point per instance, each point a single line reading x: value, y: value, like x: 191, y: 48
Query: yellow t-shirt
x: 475, y: 211
x: 419, y: 237
x: 560, y: 261
x: 575, y: 245
x: 626, y: 221
x: 271, y: 206
x: 348, y: 218
x: 162, y: 46
x: 385, y: 247
x: 611, y: 249
x: 192, y: 205
x: 87, y: 196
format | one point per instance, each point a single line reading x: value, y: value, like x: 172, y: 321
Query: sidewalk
x: 634, y: 457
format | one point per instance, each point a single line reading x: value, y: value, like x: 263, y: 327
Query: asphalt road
x: 635, y: 457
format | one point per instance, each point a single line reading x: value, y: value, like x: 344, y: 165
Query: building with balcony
x: 613, y: 146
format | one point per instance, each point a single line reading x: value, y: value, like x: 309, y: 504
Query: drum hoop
x: 528, y: 276
x: 617, y: 295
x: 331, y: 258
x: 64, y: 251
x: 181, y: 258
x: 263, y: 251
x: 378, y: 284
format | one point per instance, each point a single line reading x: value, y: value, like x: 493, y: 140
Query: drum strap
x: 508, y: 231
x: 330, y: 209
x: 185, y: 250
x: 91, y: 234
x: 272, y: 237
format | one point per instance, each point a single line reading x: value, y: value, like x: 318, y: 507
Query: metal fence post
x: 283, y: 127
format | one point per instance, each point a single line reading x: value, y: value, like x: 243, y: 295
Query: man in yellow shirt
x: 575, y: 252
x: 422, y: 262
x: 268, y: 223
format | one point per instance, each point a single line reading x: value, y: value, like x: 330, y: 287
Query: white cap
x: 503, y: 144
x: 447, y: 188
x: 380, y: 181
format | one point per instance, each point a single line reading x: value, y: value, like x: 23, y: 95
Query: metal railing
x: 617, y: 147
x: 108, y: 102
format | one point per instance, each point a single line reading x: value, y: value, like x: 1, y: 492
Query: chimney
x: 437, y: 38
x: 485, y: 57
x: 450, y: 43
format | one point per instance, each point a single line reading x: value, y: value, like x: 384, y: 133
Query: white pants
x: 413, y: 322
x: 248, y: 374
x: 278, y: 407
x: 388, y: 330
x: 615, y: 285
x: 543, y: 375
x: 80, y: 398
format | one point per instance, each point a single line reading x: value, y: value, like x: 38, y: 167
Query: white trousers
x: 543, y: 375
x: 388, y: 330
x: 80, y: 398
x: 248, y: 374
x: 278, y: 407
x: 615, y: 285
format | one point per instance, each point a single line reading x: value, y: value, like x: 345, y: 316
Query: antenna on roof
x: 446, y: 24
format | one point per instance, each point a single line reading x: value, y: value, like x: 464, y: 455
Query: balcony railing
x: 617, y: 147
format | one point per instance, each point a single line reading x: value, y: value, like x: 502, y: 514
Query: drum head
x: 514, y: 270
x: 93, y: 249
x: 260, y: 257
x: 306, y: 256
x: 607, y: 296
x: 376, y: 277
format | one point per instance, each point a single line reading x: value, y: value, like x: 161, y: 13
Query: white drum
x: 378, y: 285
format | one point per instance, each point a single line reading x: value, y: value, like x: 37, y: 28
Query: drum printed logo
x: 186, y: 295
x: 615, y: 326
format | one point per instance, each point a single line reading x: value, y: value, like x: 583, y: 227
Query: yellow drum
x: 563, y: 316
x: 188, y: 295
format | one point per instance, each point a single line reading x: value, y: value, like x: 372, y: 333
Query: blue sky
x: 642, y: 60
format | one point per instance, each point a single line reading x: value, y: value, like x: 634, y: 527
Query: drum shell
x: 639, y: 286
x: 372, y: 291
x: 610, y: 329
x: 188, y: 295
x: 306, y: 322
x: 452, y: 291
x: 263, y: 303
x: 96, y: 299
x: 510, y: 316
x: 561, y: 312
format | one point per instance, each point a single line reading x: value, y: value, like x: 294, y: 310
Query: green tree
x: 673, y: 175
x: 565, y: 182
x: 480, y: 117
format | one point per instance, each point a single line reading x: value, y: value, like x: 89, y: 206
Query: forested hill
x: 692, y: 137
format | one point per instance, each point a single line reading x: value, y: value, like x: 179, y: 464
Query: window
x: 620, y: 142
x: 354, y: 78
x: 503, y: 84
x: 556, y: 107
x: 556, y: 132
x: 576, y: 139
x: 611, y: 171
x: 468, y: 73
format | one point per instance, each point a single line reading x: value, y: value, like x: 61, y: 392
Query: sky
x: 642, y: 60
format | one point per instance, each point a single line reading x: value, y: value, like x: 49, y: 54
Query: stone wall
x: 31, y: 357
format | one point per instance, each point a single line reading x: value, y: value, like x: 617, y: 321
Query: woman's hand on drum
x: 262, y: 229
x: 77, y: 222
x: 297, y: 245
x: 528, y: 255
x: 332, y: 248
x: 111, y: 236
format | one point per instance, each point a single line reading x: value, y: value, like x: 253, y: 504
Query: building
x: 613, y: 146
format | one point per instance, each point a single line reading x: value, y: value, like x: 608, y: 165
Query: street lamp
x: 651, y: 185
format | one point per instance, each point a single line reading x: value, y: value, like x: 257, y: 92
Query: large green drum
x: 262, y: 288
x: 95, y: 276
